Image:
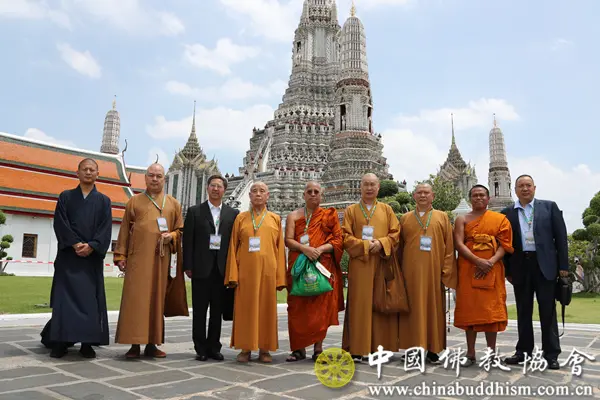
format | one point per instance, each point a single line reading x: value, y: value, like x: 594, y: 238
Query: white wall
x: 17, y: 225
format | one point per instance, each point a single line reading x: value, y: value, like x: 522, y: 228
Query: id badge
x: 254, y: 244
x: 367, y: 232
x: 529, y: 238
x: 304, y: 239
x: 162, y: 224
x: 215, y: 242
x: 425, y: 243
x: 173, y: 271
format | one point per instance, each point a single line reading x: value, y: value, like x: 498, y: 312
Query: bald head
x: 369, y: 187
x: 155, y: 178
x: 424, y: 196
x: 312, y: 194
x: 426, y: 186
x: 259, y: 194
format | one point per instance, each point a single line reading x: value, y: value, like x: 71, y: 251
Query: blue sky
x: 533, y: 63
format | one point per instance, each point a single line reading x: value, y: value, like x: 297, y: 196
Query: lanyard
x: 261, y: 221
x: 365, y: 213
x: 153, y: 202
x: 528, y: 220
x: 307, y: 219
x: 428, y: 220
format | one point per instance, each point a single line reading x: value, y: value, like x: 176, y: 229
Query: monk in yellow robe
x: 428, y: 263
x: 482, y: 238
x: 316, y: 233
x: 256, y: 268
x: 371, y: 232
x: 150, y: 232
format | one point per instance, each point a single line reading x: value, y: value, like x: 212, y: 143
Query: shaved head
x: 156, y: 167
x: 259, y: 194
x: 369, y: 176
x: 259, y: 184
x: 423, y: 186
x: 312, y: 184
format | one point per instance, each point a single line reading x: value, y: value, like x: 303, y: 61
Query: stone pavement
x: 28, y: 373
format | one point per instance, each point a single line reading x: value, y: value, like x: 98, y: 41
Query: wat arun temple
x: 323, y: 129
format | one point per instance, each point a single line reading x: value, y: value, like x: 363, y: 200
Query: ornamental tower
x: 188, y: 175
x: 292, y: 148
x: 499, y: 175
x: 112, y: 131
x: 355, y: 149
x: 456, y: 170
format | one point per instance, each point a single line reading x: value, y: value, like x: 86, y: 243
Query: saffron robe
x: 77, y: 297
x: 141, y: 317
x: 425, y: 274
x: 258, y: 275
x: 483, y: 308
x: 365, y: 329
x: 309, y: 317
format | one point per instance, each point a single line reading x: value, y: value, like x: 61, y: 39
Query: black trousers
x: 535, y: 282
x: 205, y: 292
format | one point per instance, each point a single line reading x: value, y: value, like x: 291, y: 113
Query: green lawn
x: 584, y: 309
x: 26, y: 295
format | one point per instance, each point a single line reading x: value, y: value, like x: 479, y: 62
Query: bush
x: 396, y: 207
x: 594, y: 230
x: 580, y: 234
x: 590, y: 219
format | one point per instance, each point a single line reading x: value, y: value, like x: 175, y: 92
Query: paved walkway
x: 27, y: 372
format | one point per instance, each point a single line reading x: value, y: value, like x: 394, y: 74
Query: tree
x: 447, y: 196
x: 4, y: 244
x: 584, y: 246
x: 387, y: 188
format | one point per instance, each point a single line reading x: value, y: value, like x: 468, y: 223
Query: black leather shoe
x: 216, y: 356
x: 515, y: 359
x: 553, y: 364
x: 87, y: 351
x: 201, y: 357
x: 58, y: 351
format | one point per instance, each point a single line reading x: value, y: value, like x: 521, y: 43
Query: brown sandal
x: 134, y: 352
x: 265, y: 357
x: 243, y: 357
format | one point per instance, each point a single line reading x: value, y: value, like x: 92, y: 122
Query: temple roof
x: 454, y: 156
x: 33, y: 174
x: 192, y: 149
x: 137, y: 178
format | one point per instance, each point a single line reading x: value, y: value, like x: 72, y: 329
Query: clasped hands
x: 375, y: 246
x: 483, y: 266
x: 312, y: 253
x: 166, y: 237
x: 83, y: 249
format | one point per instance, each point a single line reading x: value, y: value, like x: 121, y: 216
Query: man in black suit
x: 206, y: 234
x: 541, y: 254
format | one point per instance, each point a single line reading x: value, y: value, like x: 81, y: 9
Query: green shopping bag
x: 307, y: 279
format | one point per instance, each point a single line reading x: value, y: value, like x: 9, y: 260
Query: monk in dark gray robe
x: 83, y: 225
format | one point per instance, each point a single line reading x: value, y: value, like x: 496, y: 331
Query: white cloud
x: 37, y: 134
x: 560, y: 43
x: 272, y: 19
x: 232, y: 89
x: 225, y: 54
x: 163, y: 157
x: 82, y: 62
x: 34, y: 10
x: 414, y: 150
x: 477, y: 114
x: 217, y: 128
x: 128, y: 15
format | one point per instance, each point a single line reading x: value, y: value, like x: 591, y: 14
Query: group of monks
x: 253, y: 247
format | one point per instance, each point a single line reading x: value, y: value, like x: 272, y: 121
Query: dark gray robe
x: 78, y: 297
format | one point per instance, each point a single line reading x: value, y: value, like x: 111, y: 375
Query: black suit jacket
x: 550, y: 235
x: 197, y: 228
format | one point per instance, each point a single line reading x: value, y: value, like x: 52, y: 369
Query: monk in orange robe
x: 317, y: 234
x: 371, y: 232
x: 256, y: 268
x: 482, y: 238
x: 150, y: 233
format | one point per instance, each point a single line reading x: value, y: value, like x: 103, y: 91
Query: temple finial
x: 115, y: 103
x: 452, y: 121
x: 194, y: 119
x: 353, y: 10
x: 495, y: 124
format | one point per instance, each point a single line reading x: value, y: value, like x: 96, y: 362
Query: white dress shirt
x: 216, y: 214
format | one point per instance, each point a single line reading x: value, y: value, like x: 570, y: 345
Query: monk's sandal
x: 243, y: 357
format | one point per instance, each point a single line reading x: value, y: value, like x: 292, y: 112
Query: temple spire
x: 452, y: 121
x: 194, y: 120
x: 495, y: 125
x: 114, y: 104
x: 353, y: 10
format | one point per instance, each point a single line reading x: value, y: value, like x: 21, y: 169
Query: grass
x: 27, y: 295
x: 584, y: 309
